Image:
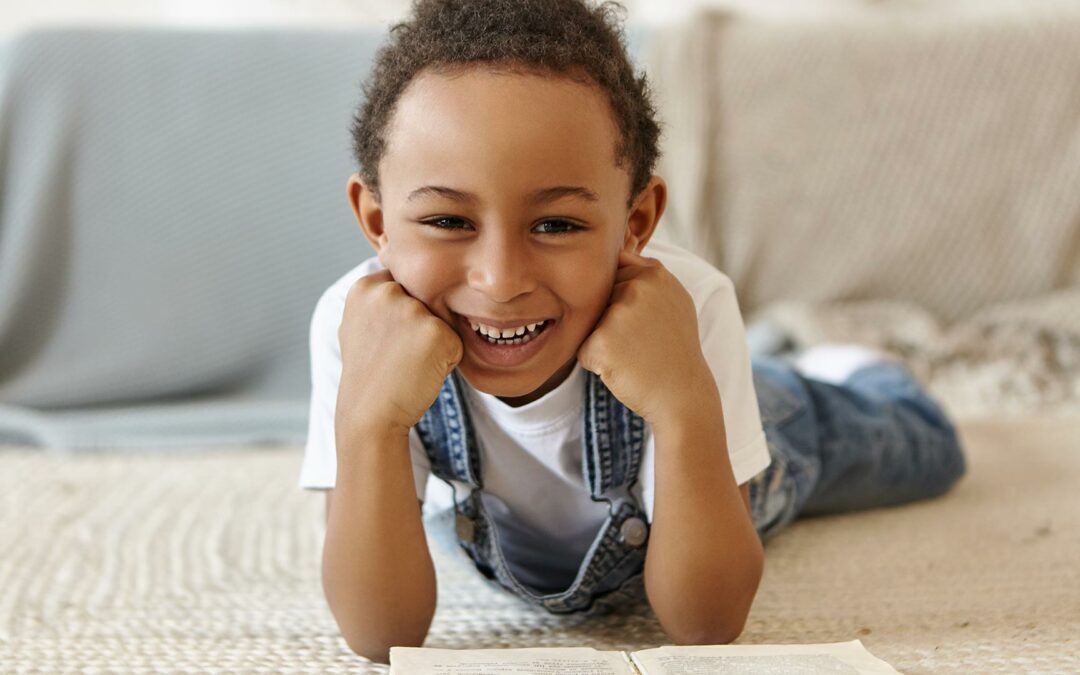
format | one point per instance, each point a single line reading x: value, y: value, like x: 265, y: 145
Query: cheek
x: 586, y: 288
x: 424, y: 275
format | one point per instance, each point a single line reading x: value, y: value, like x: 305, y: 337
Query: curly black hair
x: 566, y: 37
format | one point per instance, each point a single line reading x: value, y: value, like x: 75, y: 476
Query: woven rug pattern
x: 209, y: 562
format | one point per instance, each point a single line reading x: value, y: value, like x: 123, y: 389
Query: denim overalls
x: 876, y: 440
x: 612, y: 447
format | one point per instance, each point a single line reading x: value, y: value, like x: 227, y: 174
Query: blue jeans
x: 876, y: 440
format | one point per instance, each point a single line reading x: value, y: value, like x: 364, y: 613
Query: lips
x: 531, y: 332
x: 503, y: 355
x: 496, y: 323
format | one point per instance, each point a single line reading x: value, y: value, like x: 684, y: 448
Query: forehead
x: 476, y: 127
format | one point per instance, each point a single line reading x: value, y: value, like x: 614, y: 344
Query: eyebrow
x: 541, y: 196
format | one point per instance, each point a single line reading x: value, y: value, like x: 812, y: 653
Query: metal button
x: 464, y: 527
x: 633, y: 532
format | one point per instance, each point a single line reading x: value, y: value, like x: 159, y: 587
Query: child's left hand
x: 645, y: 347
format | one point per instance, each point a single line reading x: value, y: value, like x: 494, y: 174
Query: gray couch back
x: 173, y: 204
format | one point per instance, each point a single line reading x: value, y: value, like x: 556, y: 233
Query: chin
x: 506, y: 384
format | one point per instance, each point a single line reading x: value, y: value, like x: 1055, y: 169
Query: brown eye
x: 445, y: 223
x: 561, y: 227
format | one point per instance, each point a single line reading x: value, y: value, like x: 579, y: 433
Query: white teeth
x: 493, y: 334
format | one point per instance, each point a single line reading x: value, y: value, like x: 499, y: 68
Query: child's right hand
x: 395, y: 355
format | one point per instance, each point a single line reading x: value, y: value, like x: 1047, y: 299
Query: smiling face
x: 501, y: 204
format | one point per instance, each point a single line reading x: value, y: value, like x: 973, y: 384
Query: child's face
x: 499, y: 139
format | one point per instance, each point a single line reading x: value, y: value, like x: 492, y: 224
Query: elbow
x: 376, y: 648
x: 370, y: 633
x: 712, y: 618
x: 719, y: 632
x: 395, y: 615
x: 376, y: 651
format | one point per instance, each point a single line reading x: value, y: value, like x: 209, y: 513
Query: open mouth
x: 521, y: 335
x: 505, y: 347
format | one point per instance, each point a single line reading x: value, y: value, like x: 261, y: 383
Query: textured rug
x: 209, y: 562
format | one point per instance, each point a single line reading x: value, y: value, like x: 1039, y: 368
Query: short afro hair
x: 566, y: 37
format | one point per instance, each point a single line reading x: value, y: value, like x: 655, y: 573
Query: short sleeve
x: 318, y: 470
x: 724, y: 346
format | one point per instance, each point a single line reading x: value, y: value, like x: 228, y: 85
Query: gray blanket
x: 171, y: 205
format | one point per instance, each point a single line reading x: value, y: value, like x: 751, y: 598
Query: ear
x: 645, y: 214
x: 368, y: 213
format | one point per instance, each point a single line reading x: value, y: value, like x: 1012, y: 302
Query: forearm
x: 704, y: 560
x: 377, y: 572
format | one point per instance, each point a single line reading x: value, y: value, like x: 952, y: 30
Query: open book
x: 837, y: 658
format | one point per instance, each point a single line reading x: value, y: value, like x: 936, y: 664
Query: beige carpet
x: 209, y: 562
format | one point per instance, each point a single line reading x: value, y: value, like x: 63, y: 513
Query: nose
x: 500, y: 267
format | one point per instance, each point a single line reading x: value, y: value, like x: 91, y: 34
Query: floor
x: 209, y: 561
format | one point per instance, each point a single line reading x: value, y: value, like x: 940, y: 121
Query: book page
x: 837, y: 658
x: 541, y: 661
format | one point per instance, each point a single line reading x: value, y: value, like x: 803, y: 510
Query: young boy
x: 586, y: 391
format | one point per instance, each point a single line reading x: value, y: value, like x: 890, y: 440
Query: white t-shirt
x: 530, y: 456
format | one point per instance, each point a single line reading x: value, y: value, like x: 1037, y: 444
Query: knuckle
x: 364, y: 282
x: 597, y: 344
x: 384, y: 289
x: 430, y: 328
x: 364, y: 286
x: 355, y: 290
x: 433, y: 329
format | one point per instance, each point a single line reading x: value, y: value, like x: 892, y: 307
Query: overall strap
x: 446, y: 432
x: 614, y: 438
x: 612, y: 447
x: 612, y: 443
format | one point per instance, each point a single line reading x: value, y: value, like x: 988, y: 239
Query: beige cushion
x: 887, y: 153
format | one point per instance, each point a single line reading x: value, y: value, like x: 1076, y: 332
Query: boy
x: 586, y: 391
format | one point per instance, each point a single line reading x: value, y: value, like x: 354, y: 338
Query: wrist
x: 694, y: 403
x: 367, y: 432
x: 357, y: 418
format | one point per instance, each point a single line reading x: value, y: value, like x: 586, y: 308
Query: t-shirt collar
x: 562, y: 401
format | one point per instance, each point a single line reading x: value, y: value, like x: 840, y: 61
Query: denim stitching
x: 609, y: 564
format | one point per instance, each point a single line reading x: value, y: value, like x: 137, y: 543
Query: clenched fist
x: 395, y: 355
x: 645, y: 347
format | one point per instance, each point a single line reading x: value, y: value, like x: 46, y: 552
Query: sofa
x: 172, y: 204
